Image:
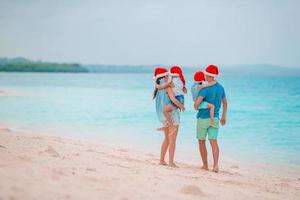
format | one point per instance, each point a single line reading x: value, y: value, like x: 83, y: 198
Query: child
x: 198, y: 85
x: 178, y: 87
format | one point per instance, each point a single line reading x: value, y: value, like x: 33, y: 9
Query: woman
x: 162, y: 98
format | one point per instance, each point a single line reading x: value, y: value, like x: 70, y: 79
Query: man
x: 214, y: 95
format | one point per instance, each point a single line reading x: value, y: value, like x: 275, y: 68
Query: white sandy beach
x: 35, y: 166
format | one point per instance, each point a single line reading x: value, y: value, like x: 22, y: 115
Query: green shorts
x: 204, y: 128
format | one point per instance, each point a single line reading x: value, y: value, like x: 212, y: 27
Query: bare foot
x: 213, y: 124
x: 216, y: 169
x: 163, y: 163
x: 173, y: 165
x: 204, y: 168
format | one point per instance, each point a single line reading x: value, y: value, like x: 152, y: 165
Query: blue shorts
x: 180, y: 98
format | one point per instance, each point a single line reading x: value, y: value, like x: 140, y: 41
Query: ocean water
x: 263, y: 124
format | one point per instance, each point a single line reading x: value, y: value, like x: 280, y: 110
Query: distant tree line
x: 41, y: 67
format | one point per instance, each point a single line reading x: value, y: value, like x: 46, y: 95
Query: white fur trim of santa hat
x: 160, y: 75
x: 174, y: 74
x: 210, y: 74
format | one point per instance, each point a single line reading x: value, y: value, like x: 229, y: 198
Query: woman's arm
x: 207, y: 85
x: 174, y: 100
x: 164, y: 86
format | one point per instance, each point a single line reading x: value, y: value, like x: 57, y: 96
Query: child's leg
x: 166, y: 111
x: 211, y: 115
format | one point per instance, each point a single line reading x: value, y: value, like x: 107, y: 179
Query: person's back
x: 178, y: 86
x: 213, y: 95
x: 195, y: 91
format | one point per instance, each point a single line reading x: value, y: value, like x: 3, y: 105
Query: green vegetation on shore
x: 24, y: 65
x: 42, y: 67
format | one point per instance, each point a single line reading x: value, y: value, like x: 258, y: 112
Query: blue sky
x: 191, y: 33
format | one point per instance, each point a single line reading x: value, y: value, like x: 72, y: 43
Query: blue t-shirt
x: 213, y: 95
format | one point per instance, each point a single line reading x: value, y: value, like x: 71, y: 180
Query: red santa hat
x: 199, y: 77
x: 160, y: 72
x: 176, y: 71
x: 211, y: 70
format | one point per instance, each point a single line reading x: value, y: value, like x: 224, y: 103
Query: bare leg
x: 173, y: 130
x: 215, y: 152
x: 211, y: 115
x: 166, y: 111
x: 164, y: 147
x: 203, y: 153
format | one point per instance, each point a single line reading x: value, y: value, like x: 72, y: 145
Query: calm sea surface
x: 263, y: 118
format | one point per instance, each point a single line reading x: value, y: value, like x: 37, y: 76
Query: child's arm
x: 164, y: 86
x: 197, y: 102
x: 206, y: 85
x: 174, y: 100
x: 184, y: 90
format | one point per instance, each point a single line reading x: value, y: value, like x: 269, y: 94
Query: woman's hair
x: 155, y: 89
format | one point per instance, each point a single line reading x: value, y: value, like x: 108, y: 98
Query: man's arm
x: 174, y: 100
x: 223, y: 119
x: 197, y: 102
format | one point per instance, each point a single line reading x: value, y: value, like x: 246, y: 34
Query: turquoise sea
x: 263, y: 124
